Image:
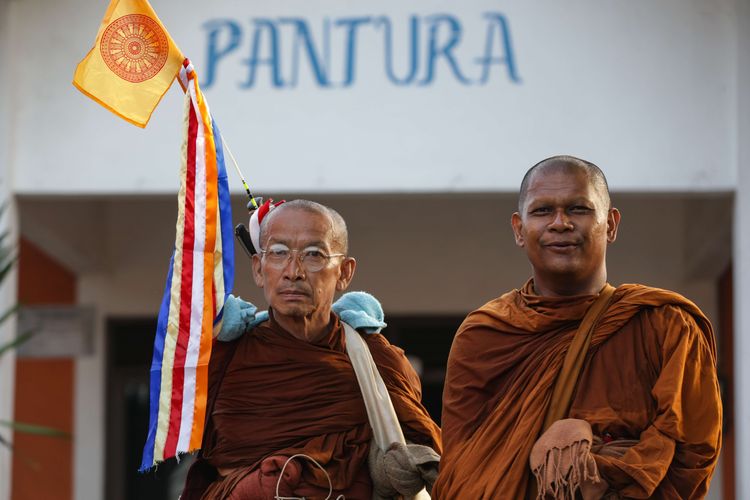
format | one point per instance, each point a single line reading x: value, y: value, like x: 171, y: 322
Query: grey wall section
x: 7, y: 223
x: 742, y: 259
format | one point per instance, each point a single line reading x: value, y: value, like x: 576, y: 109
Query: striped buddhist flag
x: 201, y: 275
x: 132, y: 64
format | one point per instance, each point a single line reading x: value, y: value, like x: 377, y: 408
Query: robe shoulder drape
x: 275, y: 395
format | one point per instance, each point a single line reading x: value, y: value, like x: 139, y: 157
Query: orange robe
x: 649, y: 375
x: 280, y: 396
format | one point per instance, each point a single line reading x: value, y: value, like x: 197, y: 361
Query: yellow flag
x: 132, y: 64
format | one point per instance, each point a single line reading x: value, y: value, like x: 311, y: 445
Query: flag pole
x: 237, y: 167
x: 186, y: 63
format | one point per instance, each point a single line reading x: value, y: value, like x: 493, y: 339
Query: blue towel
x: 359, y: 309
x: 239, y: 316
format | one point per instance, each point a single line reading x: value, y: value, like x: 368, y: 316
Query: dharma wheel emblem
x: 134, y: 47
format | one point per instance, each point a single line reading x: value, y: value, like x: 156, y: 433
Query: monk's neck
x: 305, y: 328
x: 569, y: 287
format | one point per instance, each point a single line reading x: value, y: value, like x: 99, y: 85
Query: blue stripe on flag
x: 156, y: 364
x: 225, y: 209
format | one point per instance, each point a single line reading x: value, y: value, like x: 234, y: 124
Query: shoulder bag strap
x: 567, y: 380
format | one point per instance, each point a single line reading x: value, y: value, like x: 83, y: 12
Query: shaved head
x: 338, y: 225
x: 563, y: 163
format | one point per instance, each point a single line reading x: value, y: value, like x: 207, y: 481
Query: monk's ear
x: 257, y: 275
x: 347, y: 267
x: 613, y: 222
x: 517, y: 224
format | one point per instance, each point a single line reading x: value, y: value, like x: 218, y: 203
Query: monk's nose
x: 294, y: 269
x: 561, y: 222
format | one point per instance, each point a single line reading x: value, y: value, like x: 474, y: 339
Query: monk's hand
x: 402, y: 469
x: 562, y: 463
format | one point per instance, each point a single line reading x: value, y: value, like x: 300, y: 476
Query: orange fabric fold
x: 575, y: 356
x: 649, y: 375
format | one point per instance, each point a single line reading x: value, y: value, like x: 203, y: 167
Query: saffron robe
x: 649, y: 374
x: 271, y: 395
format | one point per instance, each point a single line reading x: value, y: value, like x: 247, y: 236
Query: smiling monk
x: 286, y: 415
x: 569, y: 386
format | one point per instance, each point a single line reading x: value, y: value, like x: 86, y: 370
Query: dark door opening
x: 129, y: 351
x: 428, y: 339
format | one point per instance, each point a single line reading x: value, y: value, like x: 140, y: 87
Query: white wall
x: 89, y: 410
x: 644, y: 88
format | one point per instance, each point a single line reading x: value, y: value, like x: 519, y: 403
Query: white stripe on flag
x: 219, y: 258
x: 173, y: 324
x: 196, y: 308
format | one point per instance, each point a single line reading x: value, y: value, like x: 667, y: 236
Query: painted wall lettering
x: 276, y: 51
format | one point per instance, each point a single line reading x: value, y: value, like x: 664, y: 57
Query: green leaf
x: 6, y: 443
x: 6, y: 252
x: 7, y: 314
x: 38, y: 430
x: 15, y: 342
x: 6, y: 267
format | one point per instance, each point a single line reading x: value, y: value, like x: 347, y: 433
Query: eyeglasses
x: 312, y: 259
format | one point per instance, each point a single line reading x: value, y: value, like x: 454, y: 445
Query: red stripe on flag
x: 186, y: 296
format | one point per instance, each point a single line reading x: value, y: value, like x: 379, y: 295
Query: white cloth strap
x: 383, y: 420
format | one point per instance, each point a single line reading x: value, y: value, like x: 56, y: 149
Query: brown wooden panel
x: 41, y: 279
x: 43, y: 466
